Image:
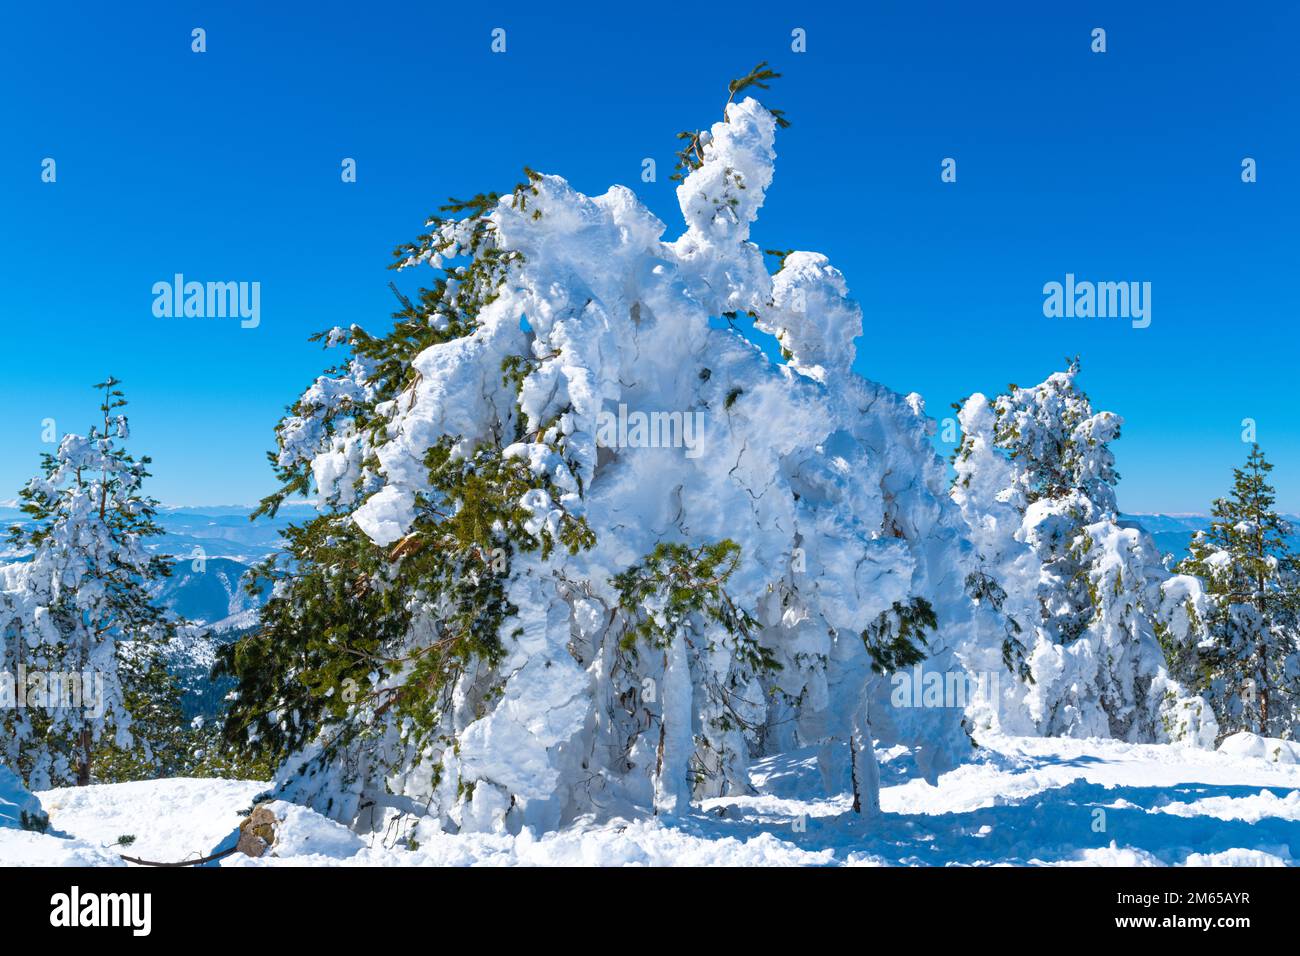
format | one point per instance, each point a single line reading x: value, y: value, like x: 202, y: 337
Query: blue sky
x: 225, y: 166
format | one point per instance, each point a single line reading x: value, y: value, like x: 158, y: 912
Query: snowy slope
x: 1023, y: 800
x: 209, y: 592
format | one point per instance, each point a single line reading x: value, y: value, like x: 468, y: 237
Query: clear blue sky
x: 225, y: 166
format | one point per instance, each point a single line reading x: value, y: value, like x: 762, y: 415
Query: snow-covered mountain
x: 210, y: 592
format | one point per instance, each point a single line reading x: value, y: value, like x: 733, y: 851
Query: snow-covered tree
x: 1246, y: 613
x: 1003, y: 569
x: 581, y: 550
x: 75, y: 613
x: 1035, y: 481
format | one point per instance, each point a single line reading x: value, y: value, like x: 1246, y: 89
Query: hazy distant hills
x: 212, y: 531
x: 224, y: 533
x: 1173, y: 533
x: 215, y: 545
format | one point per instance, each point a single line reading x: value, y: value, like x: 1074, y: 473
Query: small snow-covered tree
x: 1248, y: 615
x: 1036, y: 481
x: 77, y: 613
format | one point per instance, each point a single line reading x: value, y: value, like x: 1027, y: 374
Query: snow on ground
x: 176, y: 819
x: 1019, y: 801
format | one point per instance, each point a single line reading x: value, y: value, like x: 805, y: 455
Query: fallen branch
x: 206, y: 859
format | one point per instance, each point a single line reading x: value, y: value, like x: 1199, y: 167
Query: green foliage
x: 210, y: 755
x: 691, y: 155
x: 674, y: 584
x: 1052, y: 432
x: 678, y: 595
x: 354, y: 632
x: 1193, y: 668
x: 318, y: 635
x: 444, y: 312
x: 896, y: 638
x: 757, y: 77
x: 478, y: 506
x: 1253, y: 581
x: 159, y: 747
x: 982, y: 589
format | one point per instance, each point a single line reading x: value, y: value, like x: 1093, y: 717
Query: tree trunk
x: 866, y: 771
x: 83, y: 765
x: 672, y: 795
x: 1263, y: 695
x: 853, y: 770
x: 1263, y: 643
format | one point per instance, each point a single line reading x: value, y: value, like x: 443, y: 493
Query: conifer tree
x: 1036, y: 480
x: 502, y: 617
x: 78, y: 609
x: 1251, y: 614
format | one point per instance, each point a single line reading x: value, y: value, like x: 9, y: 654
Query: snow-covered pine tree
x: 1035, y: 481
x: 77, y: 609
x: 582, y: 551
x: 1248, y: 615
x: 1001, y: 569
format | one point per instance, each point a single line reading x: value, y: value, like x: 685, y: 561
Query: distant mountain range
x: 215, y: 548
x: 1173, y: 533
x: 213, y: 531
x: 230, y: 543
